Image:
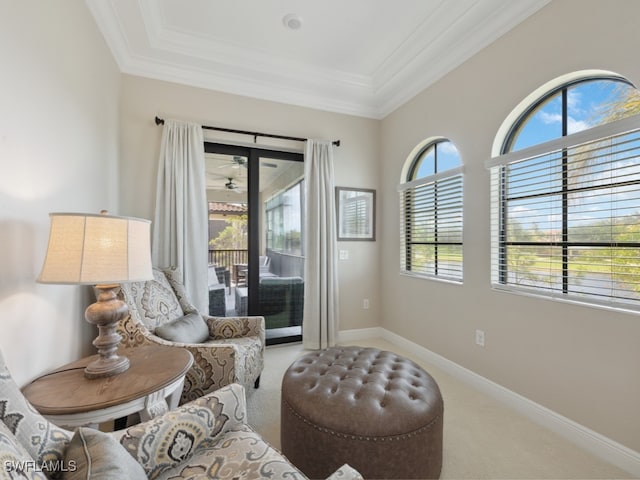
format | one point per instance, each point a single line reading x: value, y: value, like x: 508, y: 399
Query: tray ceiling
x: 359, y: 57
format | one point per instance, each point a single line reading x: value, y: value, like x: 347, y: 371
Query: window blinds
x: 431, y: 225
x: 565, y: 216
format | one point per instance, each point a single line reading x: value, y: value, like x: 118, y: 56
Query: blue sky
x: 586, y: 103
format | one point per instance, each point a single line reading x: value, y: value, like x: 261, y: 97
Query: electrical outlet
x: 365, y: 304
x: 480, y: 337
x: 344, y: 254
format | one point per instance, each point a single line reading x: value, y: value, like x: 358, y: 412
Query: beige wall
x: 58, y: 152
x: 356, y: 162
x: 59, y: 140
x: 580, y: 362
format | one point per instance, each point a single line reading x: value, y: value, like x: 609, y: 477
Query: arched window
x: 431, y: 212
x: 566, y: 194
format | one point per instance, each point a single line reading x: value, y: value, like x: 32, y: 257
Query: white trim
x: 345, y: 336
x: 167, y: 54
x: 566, y: 298
x: 424, y: 276
x: 537, y: 95
x: 595, y: 443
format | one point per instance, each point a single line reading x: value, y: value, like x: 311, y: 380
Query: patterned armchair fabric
x: 205, y: 439
x: 233, y: 353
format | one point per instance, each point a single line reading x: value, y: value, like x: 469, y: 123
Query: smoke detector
x: 292, y: 21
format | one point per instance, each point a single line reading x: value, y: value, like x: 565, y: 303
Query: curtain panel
x: 320, y: 325
x: 180, y: 232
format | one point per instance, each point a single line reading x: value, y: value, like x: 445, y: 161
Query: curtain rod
x: 160, y: 121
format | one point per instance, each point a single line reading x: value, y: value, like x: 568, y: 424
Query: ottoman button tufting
x: 377, y: 411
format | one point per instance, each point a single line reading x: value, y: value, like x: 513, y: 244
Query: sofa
x: 205, y: 439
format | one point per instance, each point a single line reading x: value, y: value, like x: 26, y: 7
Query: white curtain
x: 180, y: 231
x: 320, y: 323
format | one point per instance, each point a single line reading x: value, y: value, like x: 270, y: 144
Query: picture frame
x: 356, y: 214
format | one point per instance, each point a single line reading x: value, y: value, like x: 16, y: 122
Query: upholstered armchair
x: 208, y: 438
x: 225, y: 349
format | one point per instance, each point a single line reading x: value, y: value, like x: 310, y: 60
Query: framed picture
x: 356, y: 215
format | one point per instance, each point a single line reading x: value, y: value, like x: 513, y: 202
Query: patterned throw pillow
x: 97, y: 455
x: 167, y: 441
x: 155, y: 301
x: 43, y: 441
x: 15, y: 461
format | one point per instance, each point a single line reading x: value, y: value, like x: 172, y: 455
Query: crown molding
x: 460, y: 29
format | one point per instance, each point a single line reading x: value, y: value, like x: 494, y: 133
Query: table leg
x: 154, y: 405
x: 174, y: 397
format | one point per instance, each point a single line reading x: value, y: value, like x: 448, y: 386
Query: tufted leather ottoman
x: 377, y: 411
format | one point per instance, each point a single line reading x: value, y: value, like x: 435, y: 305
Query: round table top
x: 66, y: 390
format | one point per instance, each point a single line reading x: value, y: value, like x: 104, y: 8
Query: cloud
x: 574, y: 125
x: 549, y: 118
x: 448, y: 147
x: 574, y: 99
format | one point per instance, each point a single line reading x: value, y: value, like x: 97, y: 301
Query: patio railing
x: 227, y: 258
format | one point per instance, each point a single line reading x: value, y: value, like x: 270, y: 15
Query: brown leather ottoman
x: 377, y: 411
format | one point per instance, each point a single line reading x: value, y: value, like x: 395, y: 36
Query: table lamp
x: 101, y: 250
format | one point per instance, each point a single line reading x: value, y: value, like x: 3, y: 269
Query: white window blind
x: 565, y: 217
x: 356, y: 214
x: 431, y: 230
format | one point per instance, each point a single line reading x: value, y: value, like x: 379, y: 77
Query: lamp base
x: 106, y: 313
x: 106, y: 367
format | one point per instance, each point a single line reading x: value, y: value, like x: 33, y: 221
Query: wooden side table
x: 151, y: 386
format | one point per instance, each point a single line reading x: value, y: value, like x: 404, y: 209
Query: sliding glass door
x: 256, y: 229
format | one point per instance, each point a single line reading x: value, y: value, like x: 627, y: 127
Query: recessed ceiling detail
x: 361, y: 57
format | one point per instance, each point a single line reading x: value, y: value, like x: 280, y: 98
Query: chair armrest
x: 235, y: 327
x: 166, y: 441
x: 345, y: 472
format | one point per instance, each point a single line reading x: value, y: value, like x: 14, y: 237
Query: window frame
x: 561, y: 145
x: 406, y: 215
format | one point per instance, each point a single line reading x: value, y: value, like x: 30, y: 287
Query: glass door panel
x: 227, y: 197
x: 281, y: 259
x: 256, y: 233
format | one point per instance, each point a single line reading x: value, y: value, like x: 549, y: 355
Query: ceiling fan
x: 238, y: 161
x: 231, y: 185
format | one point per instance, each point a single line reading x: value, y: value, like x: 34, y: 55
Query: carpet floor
x: 483, y: 439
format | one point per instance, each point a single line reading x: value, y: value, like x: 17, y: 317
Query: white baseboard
x: 346, y: 336
x: 599, y: 445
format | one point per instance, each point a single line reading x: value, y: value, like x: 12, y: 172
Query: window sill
x: 430, y: 277
x: 619, y: 308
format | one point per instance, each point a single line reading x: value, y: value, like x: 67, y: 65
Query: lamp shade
x: 97, y: 249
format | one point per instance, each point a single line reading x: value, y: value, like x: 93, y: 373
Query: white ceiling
x: 360, y: 57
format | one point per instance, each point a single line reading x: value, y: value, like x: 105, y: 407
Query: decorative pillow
x: 15, y: 461
x: 43, y: 441
x: 97, y: 455
x: 188, y: 329
x: 174, y: 278
x: 345, y: 472
x: 153, y: 302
